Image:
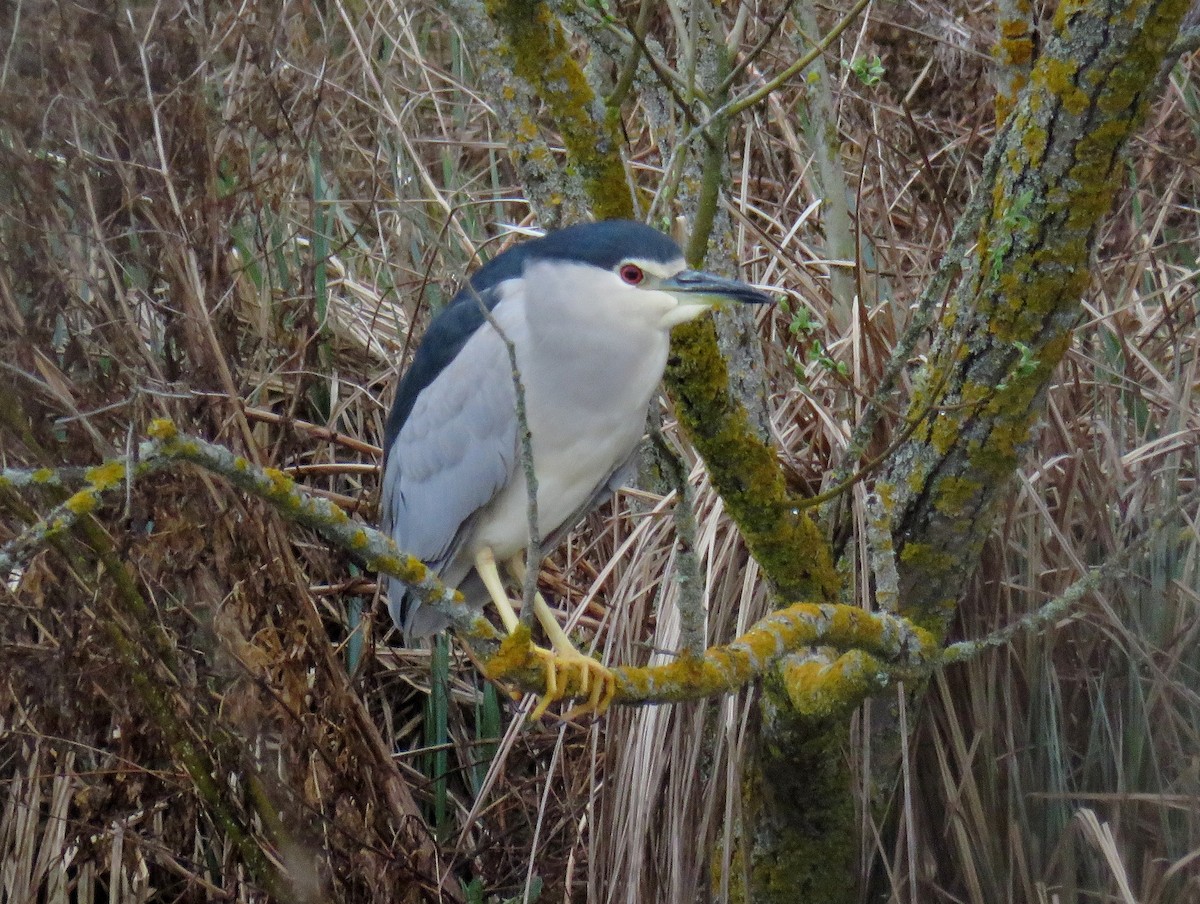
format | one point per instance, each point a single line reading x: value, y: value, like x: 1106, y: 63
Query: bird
x: 587, y: 311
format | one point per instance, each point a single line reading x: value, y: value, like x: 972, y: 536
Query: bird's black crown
x: 604, y: 245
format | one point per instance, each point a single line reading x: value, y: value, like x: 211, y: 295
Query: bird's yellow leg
x: 485, y: 565
x: 594, y: 680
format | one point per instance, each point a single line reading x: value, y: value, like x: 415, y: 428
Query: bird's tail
x: 414, y: 620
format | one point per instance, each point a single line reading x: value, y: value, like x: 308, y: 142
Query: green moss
x: 999, y: 457
x: 955, y: 494
x: 924, y: 557
x: 784, y: 540
x: 795, y: 798
x: 537, y: 49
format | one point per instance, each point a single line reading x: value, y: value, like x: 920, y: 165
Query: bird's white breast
x: 589, y: 370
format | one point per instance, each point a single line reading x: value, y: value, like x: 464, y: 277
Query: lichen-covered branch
x: 16, y: 552
x: 726, y: 668
x: 165, y: 446
x: 374, y: 549
x: 785, y: 541
x: 1010, y: 321
x: 535, y: 46
x: 875, y: 648
x: 888, y: 639
x: 1016, y: 43
x: 891, y: 645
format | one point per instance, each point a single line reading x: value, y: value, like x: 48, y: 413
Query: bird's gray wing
x: 455, y: 451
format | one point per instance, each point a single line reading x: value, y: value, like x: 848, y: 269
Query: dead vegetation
x: 240, y: 217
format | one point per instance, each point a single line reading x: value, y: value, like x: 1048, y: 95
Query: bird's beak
x: 695, y: 287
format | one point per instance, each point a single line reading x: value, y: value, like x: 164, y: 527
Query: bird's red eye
x: 632, y: 274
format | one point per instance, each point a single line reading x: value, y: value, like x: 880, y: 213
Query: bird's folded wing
x: 454, y: 453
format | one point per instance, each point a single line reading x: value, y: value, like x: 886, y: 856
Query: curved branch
x: 886, y: 639
x: 889, y: 643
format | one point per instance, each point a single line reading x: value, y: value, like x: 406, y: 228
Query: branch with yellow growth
x: 883, y: 645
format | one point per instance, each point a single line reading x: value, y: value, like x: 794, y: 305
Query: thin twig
x: 690, y: 601
x: 533, y: 552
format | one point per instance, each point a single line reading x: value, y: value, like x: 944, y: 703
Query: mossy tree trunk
x: 981, y: 396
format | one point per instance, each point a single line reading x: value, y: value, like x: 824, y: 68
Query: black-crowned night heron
x: 588, y: 311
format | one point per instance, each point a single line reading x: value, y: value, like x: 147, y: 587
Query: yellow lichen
x: 515, y: 655
x: 886, y: 493
x: 539, y: 53
x: 806, y: 687
x: 1059, y: 76
x: 1033, y: 143
x: 945, y: 433
x: 786, y: 542
x: 954, y: 494
x: 162, y: 429
x: 280, y: 483
x: 82, y: 502
x: 107, y: 475
x: 819, y: 689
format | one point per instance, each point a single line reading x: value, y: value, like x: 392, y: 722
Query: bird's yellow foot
x: 570, y: 673
x: 566, y: 673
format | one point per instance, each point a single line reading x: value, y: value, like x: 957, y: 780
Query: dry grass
x: 241, y: 218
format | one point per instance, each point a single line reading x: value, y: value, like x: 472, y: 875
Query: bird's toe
x: 571, y: 674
